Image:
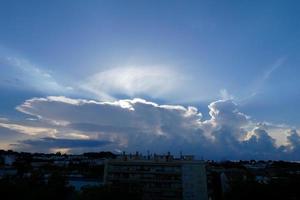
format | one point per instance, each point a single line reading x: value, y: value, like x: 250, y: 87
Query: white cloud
x: 258, y: 85
x: 158, y: 81
x: 224, y: 94
x: 22, y: 73
x: 29, y: 130
x: 225, y: 113
x: 278, y: 63
x: 129, y: 123
x: 293, y: 140
x: 137, y: 124
x: 154, y: 81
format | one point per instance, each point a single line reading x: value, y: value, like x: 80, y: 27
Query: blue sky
x: 167, y: 52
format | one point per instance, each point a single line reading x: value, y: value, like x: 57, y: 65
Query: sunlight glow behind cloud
x: 134, y: 81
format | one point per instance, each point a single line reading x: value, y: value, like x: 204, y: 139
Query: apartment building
x: 158, y: 177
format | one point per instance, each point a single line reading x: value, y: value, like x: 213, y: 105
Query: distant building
x: 159, y: 177
x: 9, y: 159
x: 7, y: 172
x: 78, y: 181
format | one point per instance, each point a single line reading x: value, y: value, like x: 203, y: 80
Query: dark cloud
x: 261, y: 145
x: 47, y: 144
x: 65, y: 143
x: 7, y: 134
x: 293, y: 148
x: 88, y: 127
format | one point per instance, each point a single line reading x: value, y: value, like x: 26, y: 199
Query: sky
x: 218, y: 79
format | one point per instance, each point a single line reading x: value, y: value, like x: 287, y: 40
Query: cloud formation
x: 53, y: 144
x: 134, y: 81
x: 17, y: 72
x: 137, y: 124
x: 128, y: 81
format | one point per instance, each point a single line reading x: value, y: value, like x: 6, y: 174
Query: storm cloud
x: 140, y: 125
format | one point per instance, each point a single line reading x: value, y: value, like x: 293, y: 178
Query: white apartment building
x: 158, y: 177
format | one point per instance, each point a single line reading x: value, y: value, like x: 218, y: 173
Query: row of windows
x: 145, y: 168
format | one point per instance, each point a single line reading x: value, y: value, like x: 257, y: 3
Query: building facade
x: 159, y: 177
